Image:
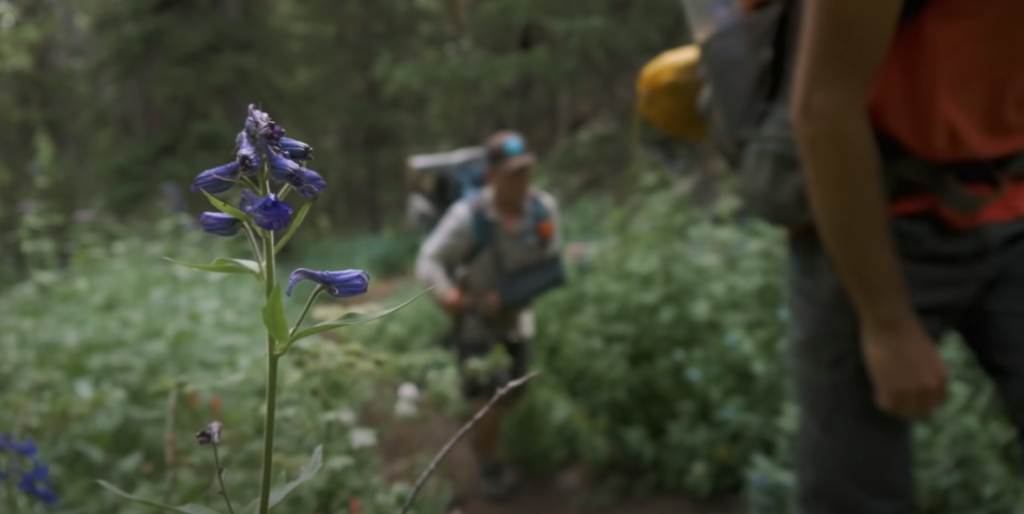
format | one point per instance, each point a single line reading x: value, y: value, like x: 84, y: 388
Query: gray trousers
x: 851, y: 457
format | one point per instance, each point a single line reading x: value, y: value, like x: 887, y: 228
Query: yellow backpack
x: 668, y: 90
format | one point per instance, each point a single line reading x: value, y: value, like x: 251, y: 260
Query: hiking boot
x: 494, y: 481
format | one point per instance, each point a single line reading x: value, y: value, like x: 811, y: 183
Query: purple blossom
x: 210, y: 434
x: 268, y: 213
x: 339, y: 284
x: 296, y: 150
x: 217, y: 180
x: 247, y: 156
x: 36, y: 482
x: 26, y: 448
x: 309, y: 184
x: 220, y: 224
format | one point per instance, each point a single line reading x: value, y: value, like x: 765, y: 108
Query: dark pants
x: 475, y: 387
x: 851, y: 457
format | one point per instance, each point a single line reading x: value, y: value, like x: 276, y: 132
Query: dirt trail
x: 425, y: 436
x: 421, y: 438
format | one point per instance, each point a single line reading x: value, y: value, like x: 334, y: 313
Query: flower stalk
x: 266, y: 471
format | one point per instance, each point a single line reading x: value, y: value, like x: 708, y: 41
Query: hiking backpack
x: 747, y: 67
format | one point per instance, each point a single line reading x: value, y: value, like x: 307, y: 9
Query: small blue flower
x: 3, y: 476
x: 307, y: 182
x: 310, y: 183
x: 296, y: 150
x: 220, y: 224
x: 26, y: 448
x: 284, y: 169
x: 257, y: 122
x: 247, y: 156
x: 339, y: 284
x: 259, y: 126
x: 217, y: 180
x: 36, y: 482
x: 268, y: 213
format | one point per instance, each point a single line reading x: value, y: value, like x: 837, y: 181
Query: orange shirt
x: 952, y: 89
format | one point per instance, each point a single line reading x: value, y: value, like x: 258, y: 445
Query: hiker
x: 902, y: 249
x: 488, y: 257
x: 902, y: 190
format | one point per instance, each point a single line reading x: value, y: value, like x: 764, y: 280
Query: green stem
x: 305, y: 310
x: 283, y: 193
x: 255, y: 248
x: 272, y: 358
x: 220, y: 478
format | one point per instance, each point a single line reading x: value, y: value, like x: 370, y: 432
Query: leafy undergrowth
x: 99, y: 361
x: 664, y: 370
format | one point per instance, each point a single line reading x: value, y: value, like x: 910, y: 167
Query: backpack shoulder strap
x: 482, y: 229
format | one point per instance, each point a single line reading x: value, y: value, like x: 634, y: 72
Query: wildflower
x: 220, y: 224
x: 210, y: 434
x: 247, y: 156
x: 26, y: 448
x: 268, y: 213
x: 36, y: 482
x: 307, y: 182
x: 310, y: 183
x: 339, y: 284
x: 284, y: 169
x: 296, y: 150
x: 217, y: 180
x: 259, y: 126
x: 257, y: 122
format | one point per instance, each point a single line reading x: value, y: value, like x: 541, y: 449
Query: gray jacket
x: 445, y: 251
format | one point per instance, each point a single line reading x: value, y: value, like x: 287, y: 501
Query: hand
x: 492, y: 303
x: 908, y: 374
x: 452, y: 301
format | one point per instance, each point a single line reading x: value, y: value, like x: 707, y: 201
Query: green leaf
x: 305, y: 474
x: 225, y: 208
x: 296, y: 221
x: 352, y: 318
x: 273, y: 316
x: 223, y: 265
x: 191, y: 508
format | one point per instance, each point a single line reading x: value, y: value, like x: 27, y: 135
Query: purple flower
x: 26, y: 448
x: 217, y: 180
x: 284, y: 169
x: 220, y: 224
x: 247, y: 156
x: 339, y: 284
x: 309, y: 184
x: 296, y: 150
x: 259, y: 126
x: 36, y: 482
x: 210, y: 434
x: 268, y: 213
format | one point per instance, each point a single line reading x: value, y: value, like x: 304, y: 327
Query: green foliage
x: 682, y: 386
x: 671, y: 389
x: 89, y: 357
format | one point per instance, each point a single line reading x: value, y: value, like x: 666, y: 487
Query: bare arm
x: 843, y: 43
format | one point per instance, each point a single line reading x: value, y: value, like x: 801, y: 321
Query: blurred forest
x: 112, y: 107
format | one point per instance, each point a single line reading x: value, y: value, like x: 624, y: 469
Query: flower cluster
x: 262, y: 156
x: 260, y: 145
x: 33, y: 480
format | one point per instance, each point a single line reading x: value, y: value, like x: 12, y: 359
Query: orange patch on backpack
x: 546, y: 229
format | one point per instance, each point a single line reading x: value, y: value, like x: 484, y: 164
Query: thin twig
x: 432, y: 467
x: 170, y: 475
x: 220, y: 478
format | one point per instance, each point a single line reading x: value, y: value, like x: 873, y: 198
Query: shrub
x: 664, y: 370
x: 89, y: 357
